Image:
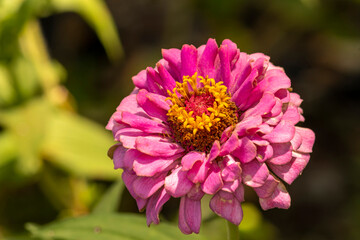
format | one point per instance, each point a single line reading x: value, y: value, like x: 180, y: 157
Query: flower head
x: 210, y: 120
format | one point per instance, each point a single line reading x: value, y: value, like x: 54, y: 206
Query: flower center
x: 201, y: 110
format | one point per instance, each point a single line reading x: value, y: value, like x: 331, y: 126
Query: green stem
x: 232, y: 231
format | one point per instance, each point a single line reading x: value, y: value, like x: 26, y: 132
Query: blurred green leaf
x: 111, y: 199
x: 8, y: 149
x: 97, y: 15
x: 28, y: 123
x: 7, y: 93
x: 79, y: 146
x: 108, y: 227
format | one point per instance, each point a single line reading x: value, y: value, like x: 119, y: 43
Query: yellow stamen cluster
x: 188, y: 88
x: 201, y: 110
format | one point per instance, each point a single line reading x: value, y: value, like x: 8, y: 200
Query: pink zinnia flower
x: 209, y: 120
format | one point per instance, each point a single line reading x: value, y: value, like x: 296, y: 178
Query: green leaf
x: 98, y: 17
x: 27, y: 123
x: 8, y: 149
x: 7, y: 93
x: 79, y: 146
x: 108, y: 227
x: 109, y: 202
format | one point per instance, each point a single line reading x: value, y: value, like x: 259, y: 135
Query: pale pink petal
x: 279, y: 199
x: 157, y: 146
x: 296, y: 141
x: 231, y: 186
x: 268, y: 188
x: 283, y: 132
x: 254, y: 174
x: 290, y: 171
x: 308, y: 139
x: 282, y: 153
x: 177, y: 184
x: 227, y: 206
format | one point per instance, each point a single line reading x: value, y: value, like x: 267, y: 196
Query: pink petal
x: 264, y: 153
x: 140, y: 80
x: 188, y: 60
x: 118, y: 157
x: 144, y: 187
x: 214, y: 152
x: 148, y: 166
x: 153, y: 104
x: 265, y: 105
x: 172, y: 56
x: 227, y: 52
x: 157, y: 146
x: 198, y: 173
x: 283, y: 132
x: 230, y: 145
x: 177, y: 184
x: 142, y: 123
x: 231, y: 186
x: 190, y: 159
x: 291, y: 115
x: 247, y: 123
x: 154, y: 82
x: 296, y: 141
x: 254, y: 174
x: 127, y: 136
x: 308, y: 139
x: 241, y: 71
x: 290, y: 171
x: 279, y: 199
x: 246, y: 150
x: 227, y: 206
x: 282, y: 153
x: 168, y: 80
x: 155, y: 205
x: 231, y: 171
x: 128, y: 179
x: 189, y: 215
x: 241, y: 95
x: 277, y: 79
x: 207, y: 59
x: 295, y: 99
x: 268, y: 188
x: 129, y: 104
x: 213, y: 182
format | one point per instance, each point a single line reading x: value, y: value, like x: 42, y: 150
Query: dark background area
x: 317, y: 42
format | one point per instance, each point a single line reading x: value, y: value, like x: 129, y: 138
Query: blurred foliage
x: 53, y: 163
